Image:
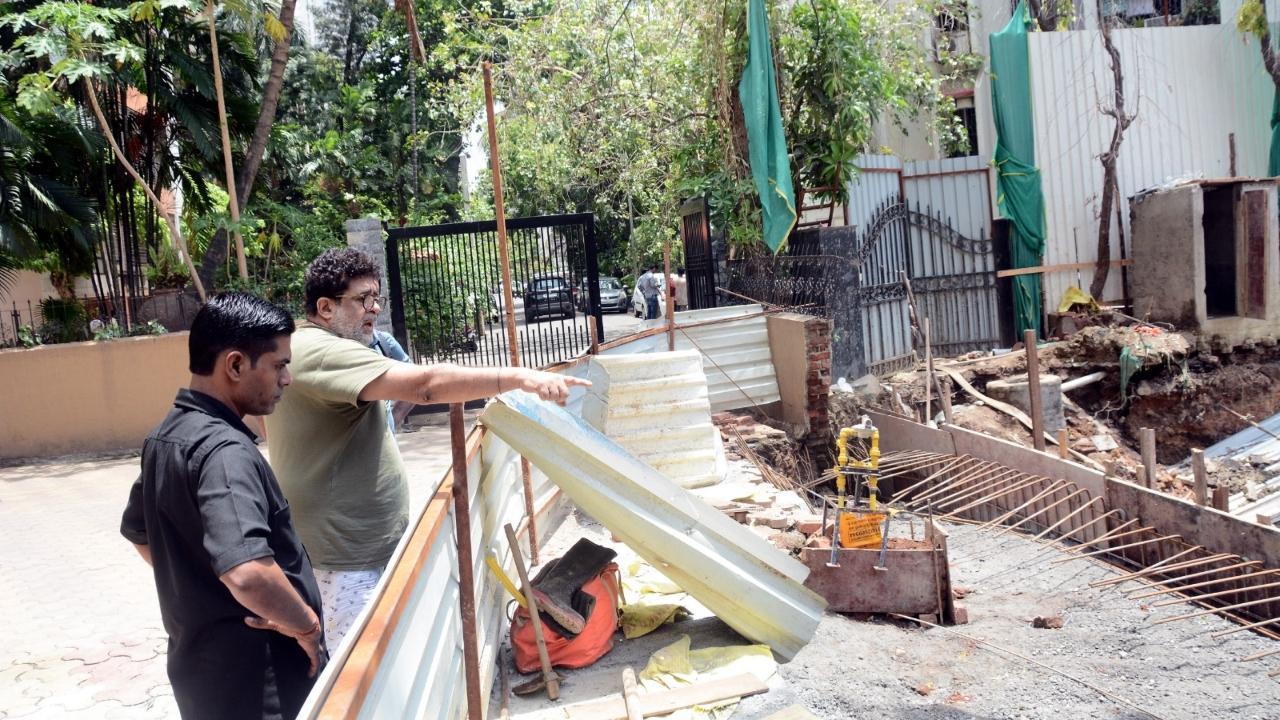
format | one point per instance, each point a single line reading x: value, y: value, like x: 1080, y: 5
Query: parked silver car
x: 613, y: 297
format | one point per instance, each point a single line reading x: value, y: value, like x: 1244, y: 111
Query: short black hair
x: 329, y: 274
x: 235, y: 321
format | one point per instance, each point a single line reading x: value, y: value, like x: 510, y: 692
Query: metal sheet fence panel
x: 1191, y: 87
x: 877, y: 182
x: 446, y: 290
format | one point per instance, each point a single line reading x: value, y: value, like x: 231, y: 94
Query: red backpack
x: 590, y: 645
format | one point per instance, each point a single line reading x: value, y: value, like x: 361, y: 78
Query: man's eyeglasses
x: 367, y: 300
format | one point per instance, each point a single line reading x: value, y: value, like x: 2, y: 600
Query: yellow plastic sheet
x: 677, y: 665
x: 640, y: 619
x: 1075, y: 296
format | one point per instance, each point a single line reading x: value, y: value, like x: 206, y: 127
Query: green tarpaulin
x: 767, y: 147
x: 1017, y: 177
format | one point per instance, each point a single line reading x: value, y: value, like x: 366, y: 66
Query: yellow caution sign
x: 861, y: 530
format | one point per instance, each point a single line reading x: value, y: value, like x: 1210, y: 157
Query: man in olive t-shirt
x: 330, y: 446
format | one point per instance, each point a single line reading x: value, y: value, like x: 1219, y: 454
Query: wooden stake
x: 1064, y: 451
x: 1147, y: 439
x: 944, y: 395
x: 1220, y: 498
x: 1033, y: 388
x: 1231, y: 151
x: 548, y: 674
x: 508, y: 295
x: 466, y: 581
x: 629, y: 695
x: 1202, y: 477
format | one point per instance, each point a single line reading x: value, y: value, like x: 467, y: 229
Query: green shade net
x: 766, y: 145
x: 1017, y: 178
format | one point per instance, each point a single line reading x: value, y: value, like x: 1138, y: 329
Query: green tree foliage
x: 624, y: 109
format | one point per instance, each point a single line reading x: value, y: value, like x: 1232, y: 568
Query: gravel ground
x: 889, y: 669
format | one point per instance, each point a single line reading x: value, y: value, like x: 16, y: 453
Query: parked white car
x: 637, y: 304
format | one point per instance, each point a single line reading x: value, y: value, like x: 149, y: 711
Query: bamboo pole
x: 466, y: 581
x: 671, y: 298
x: 508, y: 296
x: 233, y: 202
x: 928, y: 381
x: 175, y: 232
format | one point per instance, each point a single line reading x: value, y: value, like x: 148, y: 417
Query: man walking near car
x: 237, y: 594
x: 330, y: 445
x: 649, y: 286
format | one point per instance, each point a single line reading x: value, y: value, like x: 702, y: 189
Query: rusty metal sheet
x: 909, y: 585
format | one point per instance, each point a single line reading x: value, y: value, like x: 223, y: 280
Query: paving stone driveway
x: 82, y: 636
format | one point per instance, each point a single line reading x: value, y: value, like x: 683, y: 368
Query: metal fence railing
x: 58, y: 320
x: 445, y: 288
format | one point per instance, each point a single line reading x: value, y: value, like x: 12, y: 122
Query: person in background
x: 387, y: 346
x: 237, y: 594
x: 681, y: 290
x: 649, y: 286
x: 337, y: 460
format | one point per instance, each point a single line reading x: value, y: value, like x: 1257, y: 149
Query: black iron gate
x: 855, y: 277
x: 445, y: 284
x: 700, y: 264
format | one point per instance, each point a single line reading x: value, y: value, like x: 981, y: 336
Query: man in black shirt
x: 237, y: 593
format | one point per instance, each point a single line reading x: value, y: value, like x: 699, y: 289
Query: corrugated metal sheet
x: 1190, y: 86
x: 748, y: 583
x: 420, y: 673
x: 877, y: 183
x: 1257, y: 446
x: 655, y: 405
x: 735, y: 355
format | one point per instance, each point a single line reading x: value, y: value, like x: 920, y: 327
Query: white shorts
x: 344, y: 594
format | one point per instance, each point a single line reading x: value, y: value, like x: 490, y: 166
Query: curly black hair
x: 331, y: 273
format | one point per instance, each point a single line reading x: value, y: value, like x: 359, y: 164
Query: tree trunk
x: 216, y: 254
x: 270, y: 101
x: 232, y: 204
x: 1110, y: 186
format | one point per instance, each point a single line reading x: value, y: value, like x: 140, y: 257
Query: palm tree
x: 41, y: 208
